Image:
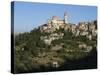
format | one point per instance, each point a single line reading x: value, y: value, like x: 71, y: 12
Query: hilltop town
x: 55, y: 45
x: 87, y: 29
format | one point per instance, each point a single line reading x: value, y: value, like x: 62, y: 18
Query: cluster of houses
x: 88, y: 29
x: 85, y: 29
x: 51, y: 37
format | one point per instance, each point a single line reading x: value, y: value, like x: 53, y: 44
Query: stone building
x: 48, y: 39
x: 55, y: 23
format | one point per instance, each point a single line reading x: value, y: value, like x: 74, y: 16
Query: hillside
x: 55, y: 49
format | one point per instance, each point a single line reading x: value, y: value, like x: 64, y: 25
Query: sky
x: 29, y: 15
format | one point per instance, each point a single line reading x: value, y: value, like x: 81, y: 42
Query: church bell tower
x: 65, y: 18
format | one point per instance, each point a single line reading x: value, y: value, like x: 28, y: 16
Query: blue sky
x: 28, y: 15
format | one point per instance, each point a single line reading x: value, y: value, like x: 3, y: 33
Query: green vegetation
x: 31, y: 52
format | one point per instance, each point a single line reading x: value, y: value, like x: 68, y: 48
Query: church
x: 57, y: 23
